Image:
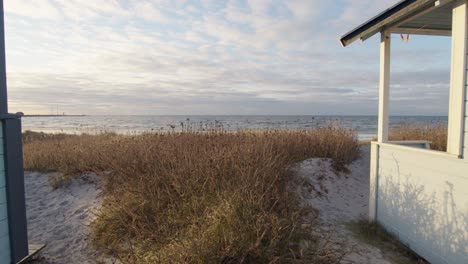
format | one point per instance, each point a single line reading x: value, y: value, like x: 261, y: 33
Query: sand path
x: 60, y: 218
x: 341, y: 198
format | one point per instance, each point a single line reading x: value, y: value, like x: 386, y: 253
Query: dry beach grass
x: 198, y: 197
x: 205, y: 197
x: 435, y: 133
x: 374, y: 234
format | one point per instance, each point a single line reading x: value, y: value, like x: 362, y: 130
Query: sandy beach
x: 60, y: 217
x: 341, y: 198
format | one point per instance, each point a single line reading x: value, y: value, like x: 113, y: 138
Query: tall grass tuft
x: 189, y: 197
x: 436, y: 133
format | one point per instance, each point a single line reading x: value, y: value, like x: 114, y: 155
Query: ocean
x: 365, y: 126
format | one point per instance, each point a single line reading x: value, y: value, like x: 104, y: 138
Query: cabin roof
x: 422, y: 17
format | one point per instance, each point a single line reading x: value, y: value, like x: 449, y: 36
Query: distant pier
x: 51, y: 115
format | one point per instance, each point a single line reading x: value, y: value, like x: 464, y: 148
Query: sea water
x: 365, y: 126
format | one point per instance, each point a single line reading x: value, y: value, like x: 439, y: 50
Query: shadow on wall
x: 426, y: 218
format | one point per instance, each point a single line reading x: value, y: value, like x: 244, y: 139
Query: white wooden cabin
x: 421, y: 195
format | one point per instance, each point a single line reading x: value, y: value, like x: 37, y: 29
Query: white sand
x: 60, y: 218
x: 341, y: 199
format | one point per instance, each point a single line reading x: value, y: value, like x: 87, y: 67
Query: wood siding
x: 456, y: 114
x: 465, y: 140
x: 465, y: 136
x: 4, y: 234
x: 422, y: 199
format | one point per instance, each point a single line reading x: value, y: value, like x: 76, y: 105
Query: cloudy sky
x: 212, y: 57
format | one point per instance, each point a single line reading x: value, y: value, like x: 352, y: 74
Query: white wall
x: 423, y: 199
x: 465, y: 141
x: 4, y: 238
x: 456, y: 114
x: 465, y: 138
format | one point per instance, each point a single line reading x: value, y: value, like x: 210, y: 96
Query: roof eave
x: 377, y: 23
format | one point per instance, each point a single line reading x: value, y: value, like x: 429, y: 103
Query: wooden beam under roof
x: 422, y: 31
x: 410, y: 17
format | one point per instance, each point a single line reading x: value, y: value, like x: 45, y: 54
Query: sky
x: 217, y: 57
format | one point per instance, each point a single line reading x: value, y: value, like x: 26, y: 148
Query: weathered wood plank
x: 465, y: 144
x: 2, y: 179
x: 3, y: 227
x: 466, y: 108
x: 5, y: 249
x: 2, y: 160
x: 3, y: 195
x: 3, y: 212
x: 34, y: 249
x: 465, y: 138
x: 466, y: 95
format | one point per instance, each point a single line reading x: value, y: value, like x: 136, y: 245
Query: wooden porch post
x: 384, y: 87
x: 373, y: 184
x: 457, y: 80
x: 384, y: 100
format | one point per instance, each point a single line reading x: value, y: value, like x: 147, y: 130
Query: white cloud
x: 43, y: 9
x: 207, y: 56
x: 149, y: 11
